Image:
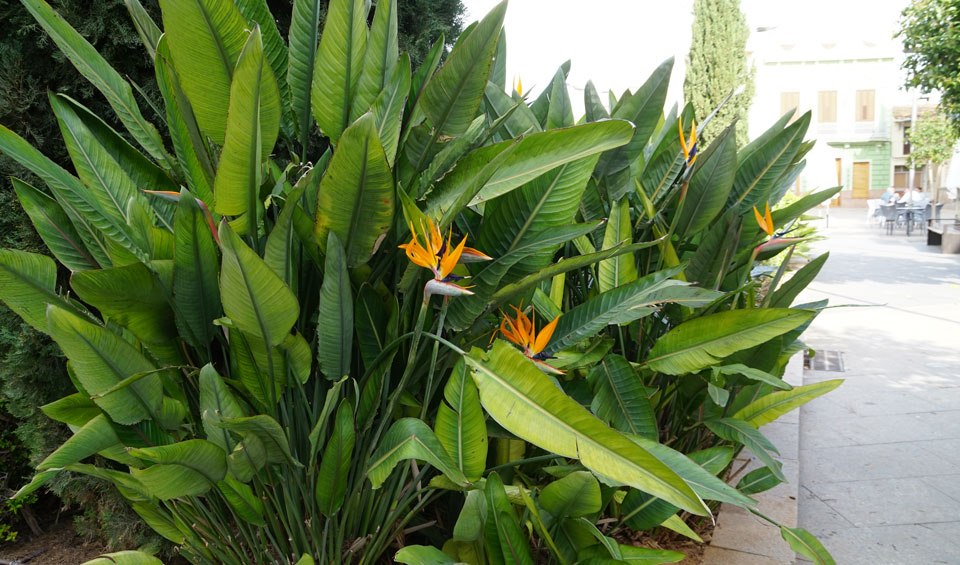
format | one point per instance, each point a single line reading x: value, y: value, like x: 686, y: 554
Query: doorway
x: 861, y: 180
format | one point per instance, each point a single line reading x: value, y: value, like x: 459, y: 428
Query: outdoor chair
x: 936, y: 212
x: 924, y: 219
x: 890, y: 216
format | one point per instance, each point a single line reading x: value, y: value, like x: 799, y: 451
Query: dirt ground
x: 60, y: 546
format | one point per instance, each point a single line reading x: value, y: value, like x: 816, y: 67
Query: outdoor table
x: 908, y: 212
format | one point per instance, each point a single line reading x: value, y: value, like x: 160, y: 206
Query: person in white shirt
x: 918, y: 199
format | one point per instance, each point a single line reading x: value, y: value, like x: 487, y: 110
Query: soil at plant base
x: 60, y: 545
x: 669, y: 540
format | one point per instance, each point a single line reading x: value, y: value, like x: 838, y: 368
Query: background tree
x: 932, y: 141
x: 32, y: 370
x: 717, y: 66
x: 930, y: 30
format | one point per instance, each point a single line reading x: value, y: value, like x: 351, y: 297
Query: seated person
x: 918, y: 198
x: 888, y: 197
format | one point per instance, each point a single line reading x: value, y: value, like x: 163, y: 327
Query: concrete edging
x: 741, y: 538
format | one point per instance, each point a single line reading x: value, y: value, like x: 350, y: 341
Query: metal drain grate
x: 824, y: 360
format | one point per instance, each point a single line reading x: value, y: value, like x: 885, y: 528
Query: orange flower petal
x: 545, y: 334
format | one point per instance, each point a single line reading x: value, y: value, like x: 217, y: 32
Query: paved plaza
x: 880, y: 456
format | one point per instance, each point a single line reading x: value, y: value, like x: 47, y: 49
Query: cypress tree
x: 717, y: 65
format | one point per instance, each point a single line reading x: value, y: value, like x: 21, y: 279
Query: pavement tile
x: 720, y: 556
x: 890, y: 545
x: 877, y: 461
x: 817, y: 517
x: 882, y: 502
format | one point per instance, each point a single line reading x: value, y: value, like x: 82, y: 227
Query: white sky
x: 618, y: 43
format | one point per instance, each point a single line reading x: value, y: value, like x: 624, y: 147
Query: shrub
x: 262, y: 365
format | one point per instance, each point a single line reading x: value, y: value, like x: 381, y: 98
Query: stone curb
x: 741, y: 538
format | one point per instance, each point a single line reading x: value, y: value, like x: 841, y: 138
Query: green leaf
x: 620, y: 399
x: 784, y: 296
x: 335, y: 465
x: 770, y: 407
x: 535, y: 155
x: 196, y: 265
x: 710, y: 184
x: 452, y: 96
x: 619, y: 270
x: 205, y: 39
x: 577, y: 494
x: 706, y: 340
x: 253, y: 296
x: 335, y: 334
x: 503, y: 537
x: 713, y: 459
x: 469, y: 526
x: 410, y: 438
x: 753, y: 374
x: 758, y: 480
x: 95, y: 68
x: 93, y: 437
x: 125, y: 558
x: 216, y: 402
x: 758, y: 171
x: 804, y: 543
x: 74, y: 410
x: 282, y: 251
x: 388, y: 108
x: 54, y: 227
x: 559, y: 112
x: 739, y: 431
x: 338, y: 64
x: 27, y: 284
x: 188, y: 143
x: 413, y: 112
x: 676, y: 524
x: 146, y: 28
x: 257, y: 12
x: 253, y: 121
x: 527, y: 403
x: 101, y: 360
x: 460, y: 426
x: 181, y: 469
x: 242, y: 500
x: 132, y: 296
x: 158, y: 520
x: 624, y: 304
x: 356, y: 198
x: 303, y: 36
x: 260, y: 367
x: 422, y: 555
x: 631, y: 555
x: 593, y: 105
x: 78, y: 202
x: 265, y: 429
x: 380, y: 59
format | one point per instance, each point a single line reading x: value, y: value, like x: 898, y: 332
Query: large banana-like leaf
x: 335, y: 465
x: 282, y: 252
x: 460, y: 423
x: 710, y: 185
x: 388, y: 108
x: 452, y: 96
x: 188, y: 141
x: 95, y: 436
x: 28, y: 284
x: 108, y: 81
x: 54, y: 227
x: 739, y: 431
x: 783, y: 297
x: 132, y: 297
x: 196, y: 262
x: 619, y: 398
x: 338, y: 64
x: 804, y: 543
x: 515, y: 116
x: 253, y: 296
x: 559, y: 112
x: 242, y: 500
x: 335, y: 334
x: 268, y: 433
x: 303, y: 36
x: 125, y: 558
x: 216, y: 402
x: 706, y: 340
x: 380, y: 59
x: 261, y: 368
x: 101, y: 360
x: 535, y: 154
x: 593, y: 106
x: 622, y: 269
x: 356, y: 198
x: 505, y: 540
x: 181, y: 469
x: 74, y: 410
x: 253, y: 121
x: 146, y: 28
x: 258, y: 13
x: 758, y: 172
x: 624, y: 304
x: 422, y: 555
x: 413, y: 113
x: 527, y: 403
x: 410, y: 438
x: 205, y: 39
x: 577, y: 494
x: 770, y: 407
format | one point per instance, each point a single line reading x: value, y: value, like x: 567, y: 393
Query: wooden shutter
x: 827, y: 106
x: 789, y: 101
x: 865, y: 104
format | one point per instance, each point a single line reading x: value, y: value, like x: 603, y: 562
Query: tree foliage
x: 931, y: 41
x: 717, y: 66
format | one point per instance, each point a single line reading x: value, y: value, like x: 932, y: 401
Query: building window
x: 827, y: 106
x: 906, y: 141
x: 789, y: 101
x: 865, y: 103
x: 901, y: 176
